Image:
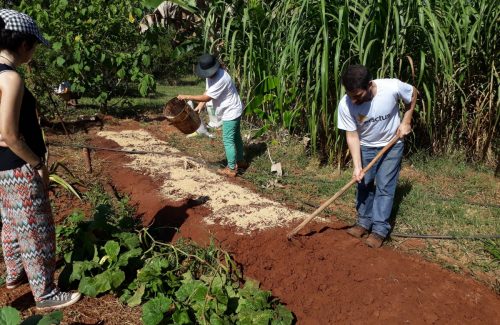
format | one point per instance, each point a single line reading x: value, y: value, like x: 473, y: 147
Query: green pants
x: 233, y: 144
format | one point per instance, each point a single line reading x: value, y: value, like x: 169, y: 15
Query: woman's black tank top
x: 29, y: 128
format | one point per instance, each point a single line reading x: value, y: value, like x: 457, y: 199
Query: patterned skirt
x: 28, y: 233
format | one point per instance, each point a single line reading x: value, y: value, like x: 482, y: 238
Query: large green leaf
x: 252, y: 298
x: 217, y: 320
x: 181, y: 317
x: 123, y: 258
x: 217, y: 287
x: 56, y: 46
x: 92, y: 286
x: 282, y: 316
x: 53, y: 318
x: 9, y: 316
x: 80, y: 268
x: 154, y: 310
x: 192, y: 291
x: 261, y: 317
x: 60, y: 61
x: 153, y: 269
x: 101, y: 283
x: 136, y: 299
x: 112, y: 249
x: 146, y: 60
x: 152, y: 3
x: 128, y: 239
x: 116, y: 278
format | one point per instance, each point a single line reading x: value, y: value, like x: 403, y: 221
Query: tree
x: 95, y: 44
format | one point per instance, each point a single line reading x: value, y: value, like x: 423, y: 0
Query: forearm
x: 410, y: 108
x: 21, y: 149
x: 354, y: 148
x: 198, y: 98
x: 408, y: 116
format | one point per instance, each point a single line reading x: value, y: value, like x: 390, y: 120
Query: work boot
x: 357, y: 231
x: 374, y: 240
x: 242, y: 164
x: 227, y: 172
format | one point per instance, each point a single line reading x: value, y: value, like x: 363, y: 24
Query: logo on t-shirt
x: 362, y: 119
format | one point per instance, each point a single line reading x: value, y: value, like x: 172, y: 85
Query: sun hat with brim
x: 22, y: 23
x: 207, y: 66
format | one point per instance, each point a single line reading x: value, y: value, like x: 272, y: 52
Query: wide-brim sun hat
x: 22, y: 23
x: 207, y: 66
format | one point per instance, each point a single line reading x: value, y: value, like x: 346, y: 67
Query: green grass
x: 190, y: 86
x: 426, y: 210
x: 134, y: 106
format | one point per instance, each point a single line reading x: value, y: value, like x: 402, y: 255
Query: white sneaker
x: 59, y: 300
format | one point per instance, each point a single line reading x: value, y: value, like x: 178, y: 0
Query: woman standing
x: 221, y: 90
x: 28, y: 232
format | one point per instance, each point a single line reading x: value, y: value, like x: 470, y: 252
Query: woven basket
x: 182, y: 116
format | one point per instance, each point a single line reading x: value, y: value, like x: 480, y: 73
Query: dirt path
x: 324, y: 276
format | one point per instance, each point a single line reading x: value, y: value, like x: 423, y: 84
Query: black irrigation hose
x: 477, y: 237
x: 140, y: 152
x: 427, y: 236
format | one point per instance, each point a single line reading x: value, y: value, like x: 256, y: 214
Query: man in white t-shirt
x: 369, y: 113
x: 221, y: 90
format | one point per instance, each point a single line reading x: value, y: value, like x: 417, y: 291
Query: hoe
x: 342, y: 190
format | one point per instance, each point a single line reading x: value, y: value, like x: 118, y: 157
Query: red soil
x: 324, y: 276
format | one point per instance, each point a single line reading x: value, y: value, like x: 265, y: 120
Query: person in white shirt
x: 370, y: 115
x: 221, y: 90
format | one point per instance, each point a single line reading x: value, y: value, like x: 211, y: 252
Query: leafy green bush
x: 288, y: 56
x: 95, y: 45
x: 181, y: 283
x: 170, y: 62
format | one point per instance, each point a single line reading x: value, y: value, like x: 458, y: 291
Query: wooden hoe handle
x: 342, y: 190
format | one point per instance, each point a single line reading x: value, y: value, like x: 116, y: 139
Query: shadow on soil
x: 168, y: 220
x: 251, y: 151
x: 254, y: 150
x: 322, y: 230
x: 23, y: 302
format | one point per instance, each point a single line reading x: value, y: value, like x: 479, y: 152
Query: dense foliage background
x: 287, y: 57
x: 94, y: 45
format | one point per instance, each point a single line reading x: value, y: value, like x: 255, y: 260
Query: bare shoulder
x: 11, y: 82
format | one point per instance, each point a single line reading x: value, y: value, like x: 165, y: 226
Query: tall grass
x: 287, y: 57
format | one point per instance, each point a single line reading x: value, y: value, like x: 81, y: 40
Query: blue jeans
x: 375, y: 194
